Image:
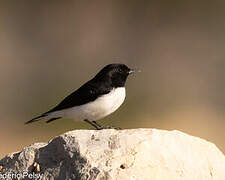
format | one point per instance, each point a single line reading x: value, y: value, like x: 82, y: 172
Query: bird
x: 94, y: 100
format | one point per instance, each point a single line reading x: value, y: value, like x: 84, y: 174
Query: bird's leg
x: 97, y: 123
x: 99, y: 127
x: 106, y: 127
x: 94, y: 124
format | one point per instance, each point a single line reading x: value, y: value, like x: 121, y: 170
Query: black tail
x: 36, y: 118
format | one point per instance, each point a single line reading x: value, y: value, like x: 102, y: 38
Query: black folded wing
x: 90, y: 91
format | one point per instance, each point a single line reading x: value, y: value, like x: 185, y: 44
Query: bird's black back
x: 90, y: 91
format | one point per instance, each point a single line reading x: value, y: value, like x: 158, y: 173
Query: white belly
x: 97, y: 109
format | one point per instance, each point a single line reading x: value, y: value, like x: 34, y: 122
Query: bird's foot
x: 100, y: 127
x: 108, y: 127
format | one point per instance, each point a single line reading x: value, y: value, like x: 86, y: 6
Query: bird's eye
x: 120, y: 70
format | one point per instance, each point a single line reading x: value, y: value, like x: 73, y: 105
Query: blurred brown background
x: 50, y: 48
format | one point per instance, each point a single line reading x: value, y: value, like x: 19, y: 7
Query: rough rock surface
x: 137, y: 154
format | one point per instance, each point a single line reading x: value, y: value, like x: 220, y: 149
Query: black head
x: 114, y: 74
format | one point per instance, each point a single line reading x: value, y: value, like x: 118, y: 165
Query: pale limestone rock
x: 136, y: 154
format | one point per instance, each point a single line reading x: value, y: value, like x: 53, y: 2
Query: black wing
x: 86, y: 93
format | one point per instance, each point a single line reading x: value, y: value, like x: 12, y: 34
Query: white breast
x: 101, y: 107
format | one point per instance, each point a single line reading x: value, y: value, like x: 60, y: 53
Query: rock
x: 137, y: 154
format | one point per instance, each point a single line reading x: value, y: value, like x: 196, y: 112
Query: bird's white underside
x: 95, y: 110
